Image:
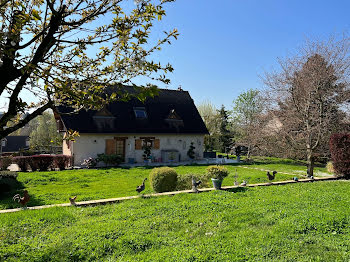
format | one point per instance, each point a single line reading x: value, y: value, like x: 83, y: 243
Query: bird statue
x: 141, y: 187
x: 195, y: 184
x: 271, y: 177
x: 72, y: 200
x: 244, y: 183
x: 22, y: 200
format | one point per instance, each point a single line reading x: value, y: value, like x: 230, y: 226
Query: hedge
x: 340, y: 152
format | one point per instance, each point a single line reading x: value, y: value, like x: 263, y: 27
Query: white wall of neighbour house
x: 89, y: 145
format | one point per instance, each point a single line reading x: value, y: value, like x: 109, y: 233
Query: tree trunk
x: 310, y: 163
x: 248, y: 153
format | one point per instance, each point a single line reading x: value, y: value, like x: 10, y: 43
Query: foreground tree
x: 308, y: 94
x: 72, y: 51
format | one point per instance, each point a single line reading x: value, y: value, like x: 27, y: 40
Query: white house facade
x: 164, y: 148
x: 167, y: 124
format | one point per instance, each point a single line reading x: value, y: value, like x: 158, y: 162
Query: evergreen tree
x: 225, y: 136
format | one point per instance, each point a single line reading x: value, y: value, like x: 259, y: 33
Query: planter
x: 217, y: 183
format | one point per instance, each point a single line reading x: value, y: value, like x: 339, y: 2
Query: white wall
x: 90, y: 145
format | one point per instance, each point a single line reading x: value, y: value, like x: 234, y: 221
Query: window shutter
x: 110, y: 146
x: 156, y: 143
x: 138, y: 144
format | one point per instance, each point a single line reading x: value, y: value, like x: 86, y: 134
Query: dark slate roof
x: 15, y: 143
x: 123, y: 120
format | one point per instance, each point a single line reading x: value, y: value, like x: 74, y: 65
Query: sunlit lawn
x: 88, y: 184
x: 296, y: 222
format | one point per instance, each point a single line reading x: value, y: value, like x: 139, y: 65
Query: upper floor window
x: 3, y: 142
x: 140, y: 112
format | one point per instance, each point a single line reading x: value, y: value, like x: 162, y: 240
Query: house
x: 167, y: 123
x: 13, y: 144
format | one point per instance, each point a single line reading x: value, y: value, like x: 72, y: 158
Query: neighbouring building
x: 13, y: 144
x: 167, y: 123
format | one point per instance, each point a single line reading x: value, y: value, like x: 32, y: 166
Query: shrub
x: 110, y: 160
x: 217, y: 172
x: 5, y: 162
x: 62, y: 161
x: 22, y: 162
x: 340, y: 152
x: 146, y: 152
x: 190, y: 152
x: 163, y: 179
x: 41, y: 162
x: 8, y: 181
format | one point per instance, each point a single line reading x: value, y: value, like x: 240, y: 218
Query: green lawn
x: 296, y: 222
x: 57, y: 186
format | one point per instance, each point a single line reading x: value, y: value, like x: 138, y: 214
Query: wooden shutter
x: 110, y: 147
x: 156, y: 143
x: 138, y: 144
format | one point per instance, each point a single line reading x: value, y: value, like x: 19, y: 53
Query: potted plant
x: 146, y: 153
x: 218, y: 173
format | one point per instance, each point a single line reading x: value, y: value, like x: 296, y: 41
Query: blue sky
x: 225, y: 45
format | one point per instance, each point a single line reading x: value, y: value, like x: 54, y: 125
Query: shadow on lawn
x: 17, y: 188
x: 237, y: 189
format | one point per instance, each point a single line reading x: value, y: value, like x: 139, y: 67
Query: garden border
x: 120, y: 199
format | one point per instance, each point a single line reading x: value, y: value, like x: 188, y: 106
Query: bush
x: 184, y: 182
x: 190, y: 152
x: 62, y: 161
x: 217, y: 172
x: 41, y: 162
x: 22, y: 162
x: 110, y: 160
x: 340, y: 152
x: 8, y: 181
x: 163, y: 179
x: 5, y: 162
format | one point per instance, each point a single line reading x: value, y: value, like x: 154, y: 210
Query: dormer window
x: 104, y: 119
x: 140, y: 112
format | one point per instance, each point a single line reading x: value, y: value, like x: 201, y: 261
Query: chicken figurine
x: 195, y: 185
x: 141, y: 187
x: 271, y: 177
x: 72, y: 200
x: 22, y: 200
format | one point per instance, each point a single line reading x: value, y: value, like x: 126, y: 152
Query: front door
x: 120, y: 147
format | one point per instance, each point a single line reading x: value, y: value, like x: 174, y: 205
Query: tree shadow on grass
x: 237, y: 189
x: 6, y: 196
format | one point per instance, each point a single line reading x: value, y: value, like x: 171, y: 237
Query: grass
x: 296, y: 222
x: 57, y: 186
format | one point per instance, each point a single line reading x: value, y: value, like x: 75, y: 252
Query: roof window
x: 140, y: 112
